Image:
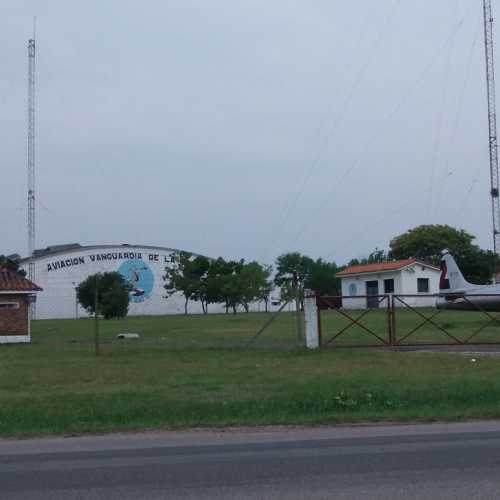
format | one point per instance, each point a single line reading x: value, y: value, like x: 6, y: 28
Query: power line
x: 291, y: 203
x: 402, y: 102
x: 460, y: 108
x: 437, y: 137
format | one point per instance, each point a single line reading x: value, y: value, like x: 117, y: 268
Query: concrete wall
x: 410, y: 276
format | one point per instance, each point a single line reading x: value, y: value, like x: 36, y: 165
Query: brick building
x: 16, y: 293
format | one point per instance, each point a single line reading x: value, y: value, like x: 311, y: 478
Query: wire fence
x: 232, y: 331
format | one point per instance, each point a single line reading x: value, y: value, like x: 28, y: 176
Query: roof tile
x: 395, y: 265
x: 11, y: 281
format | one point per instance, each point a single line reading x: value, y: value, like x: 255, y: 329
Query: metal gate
x: 403, y: 320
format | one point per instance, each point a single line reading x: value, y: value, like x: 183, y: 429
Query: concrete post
x: 311, y: 319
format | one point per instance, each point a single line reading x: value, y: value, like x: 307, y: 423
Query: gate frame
x: 392, y: 308
x: 325, y: 300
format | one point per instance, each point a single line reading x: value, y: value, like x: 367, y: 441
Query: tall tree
x: 425, y: 242
x: 113, y: 294
x: 322, y: 278
x: 186, y: 275
x: 254, y: 283
x: 289, y: 265
x: 232, y: 287
x: 266, y: 287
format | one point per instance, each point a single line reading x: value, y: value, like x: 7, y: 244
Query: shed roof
x: 11, y: 281
x: 379, y: 267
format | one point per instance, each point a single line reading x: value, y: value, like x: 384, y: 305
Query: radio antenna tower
x: 31, y: 159
x: 492, y: 121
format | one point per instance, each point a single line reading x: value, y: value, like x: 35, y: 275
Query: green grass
x: 182, y: 373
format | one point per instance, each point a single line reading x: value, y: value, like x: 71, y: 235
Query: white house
x: 400, y: 277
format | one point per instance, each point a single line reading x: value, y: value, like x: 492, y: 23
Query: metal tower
x: 31, y: 161
x: 492, y: 121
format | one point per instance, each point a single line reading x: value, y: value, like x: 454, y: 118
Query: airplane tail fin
x: 451, y: 278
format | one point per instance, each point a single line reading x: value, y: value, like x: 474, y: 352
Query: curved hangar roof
x: 55, y: 250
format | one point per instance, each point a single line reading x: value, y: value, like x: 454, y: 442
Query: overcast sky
x: 246, y: 128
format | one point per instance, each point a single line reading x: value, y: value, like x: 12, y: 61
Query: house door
x: 372, y: 292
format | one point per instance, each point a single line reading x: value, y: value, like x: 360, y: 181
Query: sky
x: 245, y: 128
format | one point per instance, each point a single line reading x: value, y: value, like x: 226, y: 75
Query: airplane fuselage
x: 477, y: 298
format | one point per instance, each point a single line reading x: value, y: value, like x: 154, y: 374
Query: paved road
x: 441, y: 461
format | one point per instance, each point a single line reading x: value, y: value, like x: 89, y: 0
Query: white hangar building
x: 59, y: 269
x: 409, y: 276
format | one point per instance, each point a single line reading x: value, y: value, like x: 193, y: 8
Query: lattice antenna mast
x: 492, y: 121
x: 31, y: 156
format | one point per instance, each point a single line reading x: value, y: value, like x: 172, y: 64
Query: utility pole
x: 31, y: 162
x: 96, y: 316
x: 492, y: 122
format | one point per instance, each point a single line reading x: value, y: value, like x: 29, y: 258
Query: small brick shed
x: 16, y: 293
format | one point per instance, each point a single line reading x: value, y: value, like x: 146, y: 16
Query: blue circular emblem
x: 140, y: 277
x: 353, y: 289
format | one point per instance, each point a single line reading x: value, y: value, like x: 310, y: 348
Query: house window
x: 423, y: 285
x: 389, y: 286
x: 9, y: 305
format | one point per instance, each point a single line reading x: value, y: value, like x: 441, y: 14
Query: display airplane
x: 457, y: 293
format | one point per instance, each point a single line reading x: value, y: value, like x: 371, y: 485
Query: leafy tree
x: 322, y: 278
x: 289, y: 265
x: 254, y: 283
x: 212, y: 284
x: 11, y: 265
x: 113, y: 294
x: 231, y: 285
x: 266, y: 286
x: 426, y: 242
x: 186, y: 275
x: 234, y: 283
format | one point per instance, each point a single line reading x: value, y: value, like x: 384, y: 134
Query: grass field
x: 191, y: 371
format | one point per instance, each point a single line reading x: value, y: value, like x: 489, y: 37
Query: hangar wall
x: 59, y: 272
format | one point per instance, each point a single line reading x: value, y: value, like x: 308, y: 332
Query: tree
x: 254, y: 283
x: 113, y: 294
x: 426, y: 242
x: 234, y: 283
x: 322, y: 278
x: 318, y: 275
x: 231, y: 288
x: 290, y: 265
x: 11, y: 264
x: 266, y: 286
x: 186, y: 276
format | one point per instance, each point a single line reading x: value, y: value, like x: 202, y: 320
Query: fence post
x: 393, y: 320
x: 318, y: 310
x: 298, y: 312
x: 311, y: 319
x: 390, y: 312
x: 96, y: 316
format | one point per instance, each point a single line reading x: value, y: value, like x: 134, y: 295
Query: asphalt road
x: 441, y: 461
